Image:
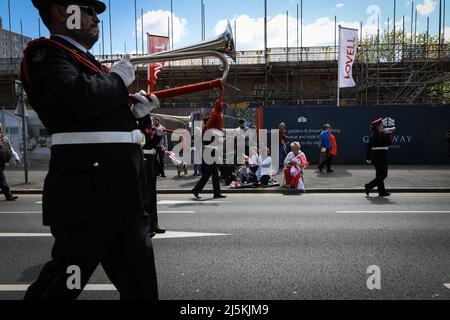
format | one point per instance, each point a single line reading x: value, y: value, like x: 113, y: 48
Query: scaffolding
x: 385, y: 75
x: 389, y: 74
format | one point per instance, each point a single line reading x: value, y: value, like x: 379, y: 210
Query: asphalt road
x: 268, y: 247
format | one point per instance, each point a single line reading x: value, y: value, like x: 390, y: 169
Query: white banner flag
x: 348, y: 44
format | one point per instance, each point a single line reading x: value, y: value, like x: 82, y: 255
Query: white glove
x: 369, y: 161
x: 389, y: 130
x: 125, y: 69
x: 145, y: 105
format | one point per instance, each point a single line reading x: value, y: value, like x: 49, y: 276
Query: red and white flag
x: 156, y: 44
x: 172, y: 156
x: 348, y: 44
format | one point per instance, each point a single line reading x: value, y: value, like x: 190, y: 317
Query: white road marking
x: 167, y: 235
x: 177, y: 234
x: 396, y: 211
x: 39, y: 212
x: 21, y: 212
x: 25, y: 235
x: 181, y: 212
x: 39, y: 202
x: 89, y: 287
x: 447, y: 285
x: 173, y: 202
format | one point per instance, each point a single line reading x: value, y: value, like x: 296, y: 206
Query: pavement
x: 266, y: 247
x: 402, y: 178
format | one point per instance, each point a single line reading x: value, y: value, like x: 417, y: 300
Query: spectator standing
x: 283, y: 144
x: 197, y: 153
x: 243, y: 134
x: 6, y: 152
x: 326, y: 148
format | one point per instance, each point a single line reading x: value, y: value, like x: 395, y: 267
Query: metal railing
x: 399, y: 52
x: 372, y: 54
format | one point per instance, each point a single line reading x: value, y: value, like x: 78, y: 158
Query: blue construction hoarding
x: 422, y: 137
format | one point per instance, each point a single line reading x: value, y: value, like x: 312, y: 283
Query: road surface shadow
x: 381, y: 201
x: 31, y: 274
x: 336, y: 174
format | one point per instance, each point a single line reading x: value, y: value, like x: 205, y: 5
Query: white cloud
x: 339, y: 5
x: 156, y: 22
x: 250, y: 31
x: 426, y: 8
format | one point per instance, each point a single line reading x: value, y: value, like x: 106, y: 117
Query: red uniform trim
x: 72, y: 52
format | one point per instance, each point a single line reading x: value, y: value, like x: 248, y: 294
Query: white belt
x: 380, y: 148
x: 134, y: 137
x: 152, y: 152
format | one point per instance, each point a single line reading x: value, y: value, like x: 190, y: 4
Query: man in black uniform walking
x: 152, y: 140
x: 377, y: 153
x: 92, y: 197
x: 209, y: 169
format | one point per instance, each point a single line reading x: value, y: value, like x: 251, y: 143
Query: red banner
x: 156, y: 44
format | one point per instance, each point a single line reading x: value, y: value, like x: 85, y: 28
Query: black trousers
x: 122, y: 246
x: 381, y: 168
x: 265, y: 180
x: 326, y: 163
x: 160, y: 154
x: 3, y: 185
x: 208, y: 171
x: 151, y: 199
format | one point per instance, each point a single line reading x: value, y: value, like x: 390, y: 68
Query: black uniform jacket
x: 378, y: 139
x: 84, y: 182
x: 152, y: 141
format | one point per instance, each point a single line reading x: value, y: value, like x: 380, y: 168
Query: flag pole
x: 338, y: 68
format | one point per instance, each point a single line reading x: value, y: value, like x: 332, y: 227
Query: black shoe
x: 196, y: 195
x: 151, y: 234
x: 158, y: 230
x: 163, y: 176
x: 367, y: 190
x: 320, y: 169
x: 385, y: 194
x: 330, y: 171
x: 12, y: 198
x: 220, y: 196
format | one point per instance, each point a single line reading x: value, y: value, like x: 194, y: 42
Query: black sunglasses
x: 88, y: 10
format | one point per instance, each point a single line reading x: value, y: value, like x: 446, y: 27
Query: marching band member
x: 161, y: 147
x: 377, y: 153
x: 294, y: 164
x: 152, y: 140
x: 213, y: 122
x: 92, y: 199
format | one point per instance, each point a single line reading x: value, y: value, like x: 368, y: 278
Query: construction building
x: 401, y: 74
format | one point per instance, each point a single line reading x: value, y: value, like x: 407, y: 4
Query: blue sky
x: 318, y: 19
